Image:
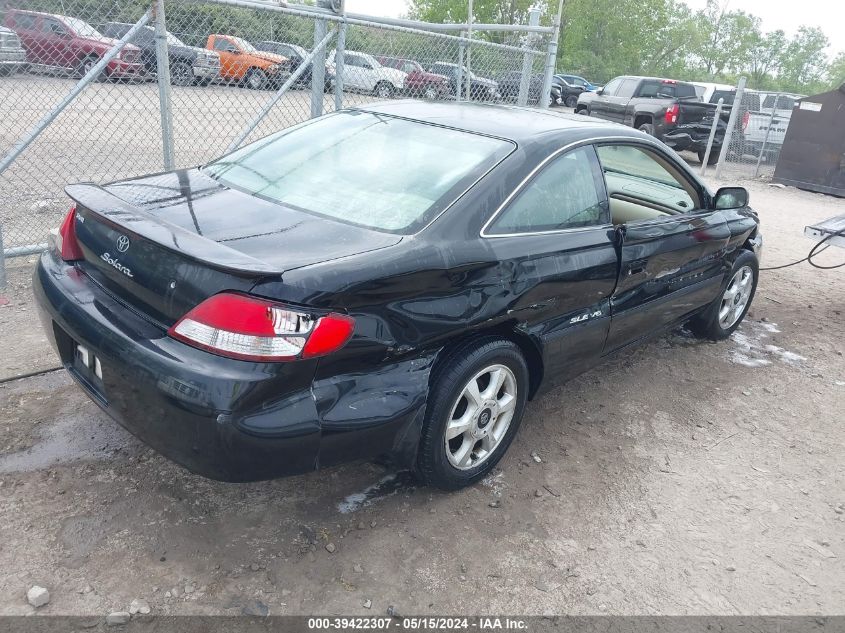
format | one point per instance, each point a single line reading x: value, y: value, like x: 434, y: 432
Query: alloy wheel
x: 736, y: 297
x: 181, y: 75
x: 480, y: 417
x: 431, y: 92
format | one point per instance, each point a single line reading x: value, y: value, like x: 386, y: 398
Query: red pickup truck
x: 59, y: 42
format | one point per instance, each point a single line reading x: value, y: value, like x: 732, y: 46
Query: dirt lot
x: 681, y: 478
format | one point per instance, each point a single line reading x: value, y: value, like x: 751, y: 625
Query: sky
x: 775, y: 14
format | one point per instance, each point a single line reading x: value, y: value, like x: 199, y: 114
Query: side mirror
x: 600, y: 91
x: 731, y: 198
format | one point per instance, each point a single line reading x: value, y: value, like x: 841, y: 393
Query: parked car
x: 707, y: 90
x: 12, y: 54
x: 397, y: 280
x: 480, y: 88
x: 652, y: 105
x: 189, y: 65
x: 241, y: 62
x: 295, y: 54
x: 59, y: 42
x: 580, y: 82
x: 510, y: 83
x: 363, y: 72
x: 774, y: 115
x: 418, y: 82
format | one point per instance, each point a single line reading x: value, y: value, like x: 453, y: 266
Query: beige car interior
x: 626, y: 208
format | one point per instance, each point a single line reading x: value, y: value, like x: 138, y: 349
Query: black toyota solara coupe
x: 393, y: 281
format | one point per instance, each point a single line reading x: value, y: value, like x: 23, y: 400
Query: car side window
x: 567, y: 193
x: 53, y: 27
x: 644, y: 184
x: 627, y: 88
x: 24, y: 22
x: 610, y: 88
x: 221, y: 44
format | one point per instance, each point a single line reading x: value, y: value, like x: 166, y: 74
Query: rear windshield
x: 664, y: 89
x: 363, y: 168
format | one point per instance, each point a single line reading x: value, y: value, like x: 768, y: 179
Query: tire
x: 204, y: 82
x: 87, y: 64
x: 571, y: 101
x: 712, y: 159
x: 383, y: 90
x: 735, y: 296
x: 6, y: 71
x: 471, y: 454
x: 256, y: 79
x: 430, y: 93
x: 648, y: 128
x: 583, y: 112
x: 181, y: 74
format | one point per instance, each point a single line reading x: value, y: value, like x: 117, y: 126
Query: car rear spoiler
x: 125, y: 217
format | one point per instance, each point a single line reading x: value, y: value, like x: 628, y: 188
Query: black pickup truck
x: 650, y: 104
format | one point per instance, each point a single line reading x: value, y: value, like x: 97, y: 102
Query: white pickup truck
x: 774, y: 114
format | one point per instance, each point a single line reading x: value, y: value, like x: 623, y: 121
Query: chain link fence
x: 110, y: 89
x: 753, y: 137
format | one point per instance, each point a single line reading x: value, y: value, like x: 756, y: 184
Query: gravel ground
x: 679, y: 478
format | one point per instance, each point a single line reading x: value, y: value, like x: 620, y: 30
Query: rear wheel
x: 648, y: 128
x: 181, y: 74
x: 712, y: 159
x: 430, y: 93
x: 572, y: 101
x: 726, y: 312
x: 256, y: 79
x: 475, y: 406
x: 383, y: 90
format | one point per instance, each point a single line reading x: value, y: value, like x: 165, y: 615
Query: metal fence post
x: 766, y: 138
x: 469, y: 50
x: 318, y: 69
x: 163, y: 78
x: 459, y: 87
x: 729, y: 133
x: 2, y: 260
x: 551, y: 60
x: 527, y: 59
x: 338, y: 65
x: 716, y: 118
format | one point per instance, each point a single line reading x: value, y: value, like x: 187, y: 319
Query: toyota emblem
x: 123, y: 244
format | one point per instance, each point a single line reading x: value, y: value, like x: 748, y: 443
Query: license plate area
x: 88, y: 369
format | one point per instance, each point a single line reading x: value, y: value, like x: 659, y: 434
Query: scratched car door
x: 555, y: 247
x: 673, y: 246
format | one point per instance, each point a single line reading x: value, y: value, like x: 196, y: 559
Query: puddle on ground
x: 751, y: 350
x: 387, y: 486
x: 82, y: 434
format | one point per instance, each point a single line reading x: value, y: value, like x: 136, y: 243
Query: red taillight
x: 249, y: 328
x: 65, y: 240
x: 746, y: 117
x: 672, y: 114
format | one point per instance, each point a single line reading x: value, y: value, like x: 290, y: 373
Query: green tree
x: 836, y: 71
x: 804, y: 62
x: 765, y: 57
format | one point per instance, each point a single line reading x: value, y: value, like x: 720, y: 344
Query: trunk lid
x: 165, y: 243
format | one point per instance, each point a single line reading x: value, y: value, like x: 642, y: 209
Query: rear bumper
x: 681, y: 141
x: 224, y: 419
